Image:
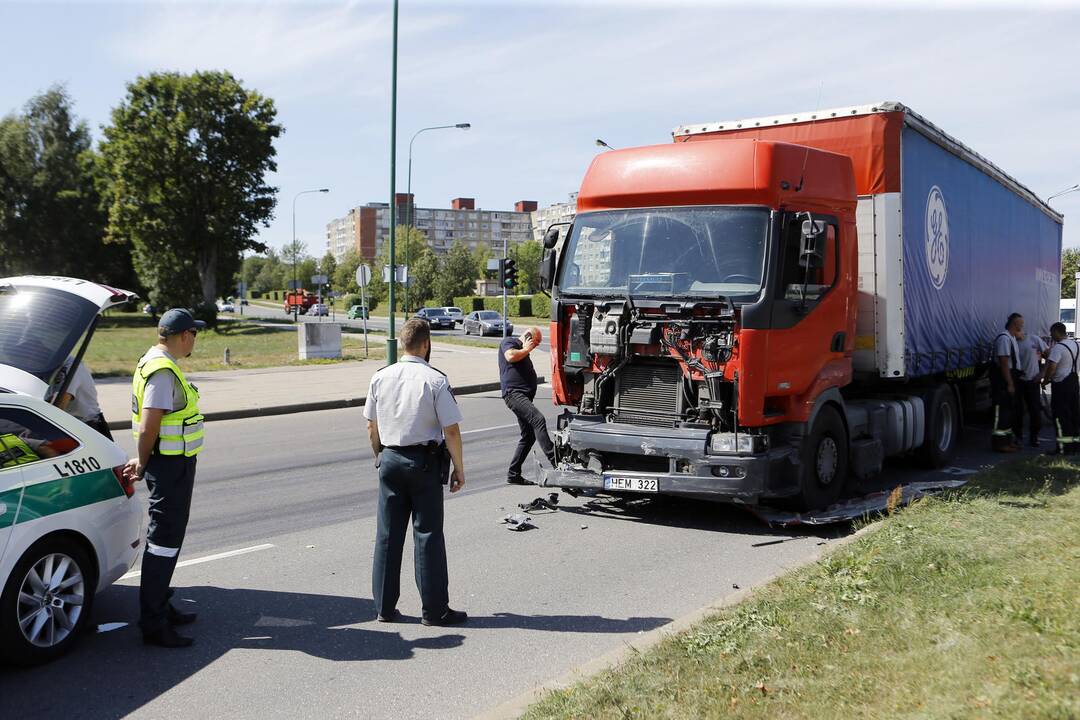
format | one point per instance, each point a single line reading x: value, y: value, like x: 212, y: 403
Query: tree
x: 481, y: 254
x: 51, y: 215
x: 345, y: 273
x: 528, y: 255
x: 457, y: 275
x: 328, y: 265
x: 188, y: 156
x: 1070, y: 260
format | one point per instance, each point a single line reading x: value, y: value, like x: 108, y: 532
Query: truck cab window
x: 816, y: 277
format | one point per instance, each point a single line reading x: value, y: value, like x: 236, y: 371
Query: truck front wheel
x: 824, y: 461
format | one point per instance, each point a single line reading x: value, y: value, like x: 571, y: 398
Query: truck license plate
x: 612, y: 482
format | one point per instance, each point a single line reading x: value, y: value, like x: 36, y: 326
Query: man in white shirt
x: 81, y: 400
x: 1004, y: 381
x: 1060, y: 374
x: 1032, y: 351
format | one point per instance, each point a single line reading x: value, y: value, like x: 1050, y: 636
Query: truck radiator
x: 648, y: 394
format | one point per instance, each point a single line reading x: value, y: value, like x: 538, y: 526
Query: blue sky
x: 540, y: 81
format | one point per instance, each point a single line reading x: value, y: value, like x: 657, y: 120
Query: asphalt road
x: 287, y: 629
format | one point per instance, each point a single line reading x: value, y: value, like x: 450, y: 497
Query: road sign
x: 401, y: 271
x: 363, y: 275
x: 318, y: 279
x: 494, y: 263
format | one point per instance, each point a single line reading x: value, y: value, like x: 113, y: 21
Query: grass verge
x: 964, y: 605
x: 121, y: 339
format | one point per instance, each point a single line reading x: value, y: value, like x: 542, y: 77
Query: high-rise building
x: 544, y: 217
x: 367, y: 227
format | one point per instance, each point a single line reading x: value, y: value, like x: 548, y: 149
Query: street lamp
x: 295, y: 197
x: 601, y: 143
x: 1066, y: 191
x: 410, y: 220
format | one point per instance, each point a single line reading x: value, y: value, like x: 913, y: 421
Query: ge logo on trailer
x: 937, y: 237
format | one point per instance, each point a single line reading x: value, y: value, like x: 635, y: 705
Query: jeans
x: 533, y: 427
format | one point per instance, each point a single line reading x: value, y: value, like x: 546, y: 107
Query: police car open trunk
x: 44, y: 321
x: 768, y: 308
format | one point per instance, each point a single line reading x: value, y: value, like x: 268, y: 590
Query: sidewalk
x: 229, y: 394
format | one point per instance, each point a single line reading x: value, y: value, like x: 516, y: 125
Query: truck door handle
x: 838, y: 342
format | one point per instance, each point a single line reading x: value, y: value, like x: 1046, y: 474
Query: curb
x: 315, y: 406
x: 514, y: 707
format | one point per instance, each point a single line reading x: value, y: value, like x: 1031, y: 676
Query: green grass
x: 122, y: 338
x: 961, y: 606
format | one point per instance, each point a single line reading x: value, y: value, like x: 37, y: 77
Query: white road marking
x: 488, y: 429
x: 209, y: 558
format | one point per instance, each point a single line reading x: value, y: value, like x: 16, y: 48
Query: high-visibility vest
x: 13, y: 451
x: 181, y: 430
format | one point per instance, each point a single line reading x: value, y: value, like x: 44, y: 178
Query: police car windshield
x: 40, y: 326
x: 667, y: 252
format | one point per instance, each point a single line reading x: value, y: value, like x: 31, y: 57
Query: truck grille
x: 648, y: 394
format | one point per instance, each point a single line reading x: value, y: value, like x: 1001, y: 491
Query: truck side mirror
x: 547, y: 269
x: 551, y: 238
x: 812, y: 246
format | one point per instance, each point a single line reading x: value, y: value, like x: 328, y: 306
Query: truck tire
x: 823, y: 462
x: 66, y: 608
x: 942, y: 427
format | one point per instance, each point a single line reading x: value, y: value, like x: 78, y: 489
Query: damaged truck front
x: 714, y: 335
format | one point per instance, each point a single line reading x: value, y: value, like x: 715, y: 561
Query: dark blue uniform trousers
x: 170, y: 480
x: 410, y: 486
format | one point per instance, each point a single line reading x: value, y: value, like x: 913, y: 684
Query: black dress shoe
x: 392, y: 616
x: 450, y: 617
x: 517, y: 481
x: 167, y: 637
x: 177, y: 618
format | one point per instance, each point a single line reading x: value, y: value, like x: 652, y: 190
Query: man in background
x: 517, y: 380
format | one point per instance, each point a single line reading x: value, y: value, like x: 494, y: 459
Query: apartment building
x: 544, y: 217
x: 367, y: 227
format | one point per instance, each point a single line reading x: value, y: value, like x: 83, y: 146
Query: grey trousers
x: 170, y: 480
x: 410, y: 488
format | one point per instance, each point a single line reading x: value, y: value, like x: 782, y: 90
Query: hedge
x: 516, y: 305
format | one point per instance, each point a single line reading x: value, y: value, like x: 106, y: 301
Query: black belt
x: 430, y: 445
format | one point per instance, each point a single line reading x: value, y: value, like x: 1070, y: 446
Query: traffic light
x: 509, y: 274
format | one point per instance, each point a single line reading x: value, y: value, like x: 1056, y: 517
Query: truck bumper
x: 690, y: 471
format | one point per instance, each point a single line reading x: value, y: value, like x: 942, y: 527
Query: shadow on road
x: 120, y: 674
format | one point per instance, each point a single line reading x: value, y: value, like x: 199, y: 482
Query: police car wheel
x: 46, y: 602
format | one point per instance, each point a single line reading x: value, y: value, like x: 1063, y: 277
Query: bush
x: 347, y: 301
x: 207, y: 312
x: 516, y: 305
x: 470, y: 303
x: 541, y: 305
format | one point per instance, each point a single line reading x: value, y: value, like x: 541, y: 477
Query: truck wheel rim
x: 948, y: 426
x: 50, y: 600
x: 827, y: 456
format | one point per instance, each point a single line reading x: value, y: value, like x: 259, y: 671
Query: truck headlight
x: 743, y: 443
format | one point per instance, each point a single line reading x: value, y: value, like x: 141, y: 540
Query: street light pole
x: 295, y: 197
x: 1066, y: 191
x: 410, y: 218
x: 391, y: 340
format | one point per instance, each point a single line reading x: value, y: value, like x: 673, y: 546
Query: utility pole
x: 506, y: 319
x: 391, y: 340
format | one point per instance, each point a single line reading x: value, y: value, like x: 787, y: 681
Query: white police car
x: 69, y: 527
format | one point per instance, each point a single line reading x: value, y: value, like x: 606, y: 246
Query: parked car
x: 357, y: 312
x: 226, y: 306
x: 456, y: 313
x: 486, y: 322
x: 69, y: 526
x: 148, y: 309
x: 436, y: 317
x: 319, y: 310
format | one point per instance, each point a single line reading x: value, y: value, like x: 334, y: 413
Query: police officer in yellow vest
x: 168, y: 432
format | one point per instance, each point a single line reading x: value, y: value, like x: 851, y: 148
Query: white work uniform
x: 84, y: 400
x: 1063, y: 353
x: 1031, y: 349
x: 1005, y: 346
x: 411, y: 402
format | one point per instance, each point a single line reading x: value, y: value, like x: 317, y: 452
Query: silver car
x: 455, y: 313
x: 486, y: 322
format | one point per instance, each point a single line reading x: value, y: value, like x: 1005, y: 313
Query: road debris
x: 855, y: 508
x: 550, y: 503
x: 518, y: 522
x: 109, y: 627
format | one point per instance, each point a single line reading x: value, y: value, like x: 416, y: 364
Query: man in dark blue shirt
x: 517, y: 378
